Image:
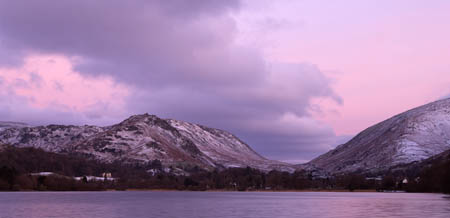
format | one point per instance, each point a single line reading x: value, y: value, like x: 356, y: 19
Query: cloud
x: 180, y: 59
x: 149, y: 40
x: 273, y: 116
x: 46, y: 90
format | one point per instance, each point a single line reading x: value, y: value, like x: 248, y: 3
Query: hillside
x: 143, y: 138
x: 409, y: 137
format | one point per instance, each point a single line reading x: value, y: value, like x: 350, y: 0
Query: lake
x: 221, y: 204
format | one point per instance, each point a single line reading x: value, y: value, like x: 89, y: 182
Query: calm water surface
x: 221, y: 204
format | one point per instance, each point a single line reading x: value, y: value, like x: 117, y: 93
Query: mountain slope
x: 53, y: 138
x: 143, y: 138
x: 414, y: 135
x: 416, y: 167
x: 5, y: 125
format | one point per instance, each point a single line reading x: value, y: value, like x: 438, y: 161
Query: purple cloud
x: 183, y: 62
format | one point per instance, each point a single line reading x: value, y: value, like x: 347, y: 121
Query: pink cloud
x: 49, y: 81
x: 385, y: 57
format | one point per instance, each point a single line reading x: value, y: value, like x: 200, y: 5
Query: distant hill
x: 409, y: 137
x: 143, y: 138
x: 4, y: 125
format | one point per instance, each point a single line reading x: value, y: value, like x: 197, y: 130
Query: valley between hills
x: 408, y: 152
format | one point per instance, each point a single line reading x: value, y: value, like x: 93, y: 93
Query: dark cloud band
x: 183, y: 62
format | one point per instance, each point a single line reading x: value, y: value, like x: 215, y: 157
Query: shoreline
x: 225, y: 190
x: 254, y: 191
x: 221, y: 190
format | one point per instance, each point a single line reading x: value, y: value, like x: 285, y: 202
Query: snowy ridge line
x: 412, y: 136
x: 178, y: 145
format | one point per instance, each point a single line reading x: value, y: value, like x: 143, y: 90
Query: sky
x: 293, y: 79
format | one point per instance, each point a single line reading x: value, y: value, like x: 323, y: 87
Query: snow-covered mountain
x: 5, y: 125
x: 143, y: 138
x: 412, y: 136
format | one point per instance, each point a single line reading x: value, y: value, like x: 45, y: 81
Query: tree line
x: 16, y: 164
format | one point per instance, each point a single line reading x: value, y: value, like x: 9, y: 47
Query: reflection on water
x: 221, y: 204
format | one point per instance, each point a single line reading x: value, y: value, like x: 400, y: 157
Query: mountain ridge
x: 143, y: 138
x: 405, y: 138
x: 414, y: 135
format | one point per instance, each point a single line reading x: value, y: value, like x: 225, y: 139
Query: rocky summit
x: 144, y: 138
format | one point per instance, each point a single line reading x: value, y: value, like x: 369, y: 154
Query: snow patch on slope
x: 414, y: 135
x: 144, y: 138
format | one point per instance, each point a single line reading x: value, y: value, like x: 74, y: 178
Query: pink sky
x: 384, y: 57
x: 292, y: 78
x: 46, y: 82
